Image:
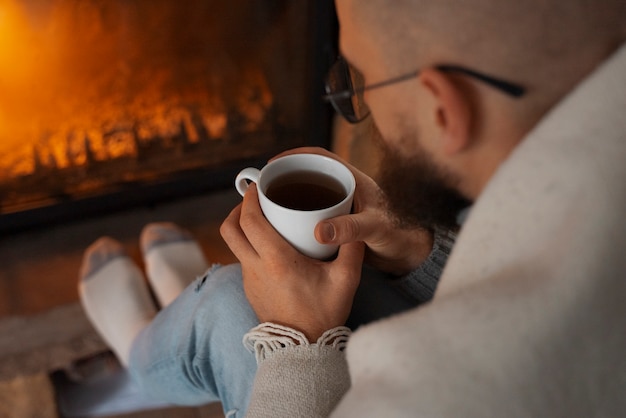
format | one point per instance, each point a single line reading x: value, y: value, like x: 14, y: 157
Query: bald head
x: 545, y: 45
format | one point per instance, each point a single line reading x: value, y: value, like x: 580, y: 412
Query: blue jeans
x: 192, y: 353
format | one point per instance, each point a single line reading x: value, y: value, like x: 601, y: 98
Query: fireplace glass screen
x: 106, y: 103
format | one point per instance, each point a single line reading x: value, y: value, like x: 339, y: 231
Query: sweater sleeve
x: 420, y: 284
x: 296, y: 378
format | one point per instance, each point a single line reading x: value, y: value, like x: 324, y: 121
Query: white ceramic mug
x: 298, y: 226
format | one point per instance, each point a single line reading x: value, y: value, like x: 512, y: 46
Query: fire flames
x: 83, y: 80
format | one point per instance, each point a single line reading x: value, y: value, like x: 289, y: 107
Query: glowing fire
x: 79, y: 78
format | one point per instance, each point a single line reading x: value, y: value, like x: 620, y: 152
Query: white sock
x: 114, y: 296
x: 173, y: 259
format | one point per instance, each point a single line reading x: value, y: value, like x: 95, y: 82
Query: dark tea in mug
x: 305, y: 190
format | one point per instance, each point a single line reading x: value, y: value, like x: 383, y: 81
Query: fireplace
x: 108, y: 104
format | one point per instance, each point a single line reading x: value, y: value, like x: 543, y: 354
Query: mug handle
x: 245, y: 176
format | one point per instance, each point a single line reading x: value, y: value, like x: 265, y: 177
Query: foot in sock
x: 114, y: 295
x: 173, y: 259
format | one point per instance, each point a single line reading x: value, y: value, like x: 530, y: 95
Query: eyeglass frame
x: 511, y: 89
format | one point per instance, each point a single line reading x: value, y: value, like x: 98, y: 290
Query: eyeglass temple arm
x: 346, y: 94
x: 511, y: 89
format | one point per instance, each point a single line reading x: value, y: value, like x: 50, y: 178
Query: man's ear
x: 450, y: 110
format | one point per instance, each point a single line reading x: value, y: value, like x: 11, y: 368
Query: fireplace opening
x: 107, y: 104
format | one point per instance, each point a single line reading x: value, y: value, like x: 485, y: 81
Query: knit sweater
x: 530, y: 316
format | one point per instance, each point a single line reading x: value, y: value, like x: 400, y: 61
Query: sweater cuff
x: 267, y: 338
x: 420, y: 284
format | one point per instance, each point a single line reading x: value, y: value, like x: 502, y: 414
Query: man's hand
x: 282, y: 285
x: 389, y: 248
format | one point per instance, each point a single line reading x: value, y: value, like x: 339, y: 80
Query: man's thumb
x: 339, y: 230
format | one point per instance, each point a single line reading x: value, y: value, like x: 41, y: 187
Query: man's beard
x: 418, y: 192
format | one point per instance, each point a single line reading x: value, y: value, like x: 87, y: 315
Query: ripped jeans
x: 192, y: 352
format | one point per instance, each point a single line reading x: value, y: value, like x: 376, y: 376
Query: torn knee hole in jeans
x: 201, y: 280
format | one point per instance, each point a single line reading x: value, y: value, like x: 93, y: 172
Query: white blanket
x: 530, y: 315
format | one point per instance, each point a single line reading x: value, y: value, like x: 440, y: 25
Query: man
x: 518, y: 106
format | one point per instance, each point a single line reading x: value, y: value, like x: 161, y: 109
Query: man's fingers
x: 306, y: 150
x: 346, y: 229
x: 351, y: 256
x: 320, y: 151
x: 258, y: 230
x: 235, y: 237
x: 348, y: 265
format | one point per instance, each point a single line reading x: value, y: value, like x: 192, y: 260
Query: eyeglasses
x: 345, y: 87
